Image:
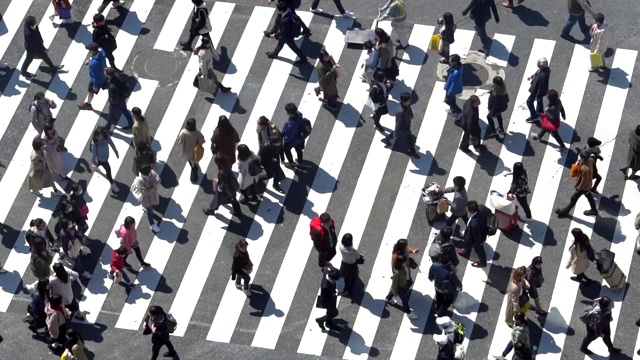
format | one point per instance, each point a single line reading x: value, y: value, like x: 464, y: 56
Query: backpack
x: 171, y: 323
x: 436, y: 249
x: 254, y: 167
x: 586, y: 315
x: 305, y: 128
x: 296, y: 27
x: 492, y: 220
x: 123, y: 87
x: 296, y: 3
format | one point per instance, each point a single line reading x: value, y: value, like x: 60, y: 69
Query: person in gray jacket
x: 459, y: 202
x: 40, y: 109
x: 403, y: 125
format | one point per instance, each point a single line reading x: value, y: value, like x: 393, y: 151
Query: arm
x: 469, y: 8
x: 564, y: 116
x: 494, y: 10
x: 94, y: 152
x: 113, y: 146
x: 34, y: 114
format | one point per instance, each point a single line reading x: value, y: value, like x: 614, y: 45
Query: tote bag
x: 597, y: 59
x: 436, y: 43
x: 64, y: 13
x: 549, y: 124
x: 136, y: 191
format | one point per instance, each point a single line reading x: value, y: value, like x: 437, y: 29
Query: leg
x: 103, y: 6
x: 331, y: 252
x: 155, y: 350
x: 571, y: 21
x: 127, y: 115
x: 532, y: 109
x: 481, y: 29
x: 588, y: 340
x: 150, y: 215
x: 482, y: 256
x: 522, y: 200
x: 403, y: 294
x: 451, y: 221
x: 112, y: 60
x: 245, y: 278
x: 507, y: 349
x: 539, y: 106
x: 464, y: 142
x: 115, y: 112
x: 541, y: 133
x: 291, y: 43
x: 377, y: 114
x: 583, y: 25
x: 27, y: 61
x: 236, y: 206
x: 591, y: 200
x: 598, y: 178
x: 331, y: 314
x: 558, y: 139
x: 500, y: 122
x: 572, y: 202
x: 47, y: 60
x: 136, y: 250
x: 492, y: 125
x: 305, y: 28
x: 299, y: 153
x: 314, y: 4
x: 287, y: 153
x: 107, y: 170
x: 450, y: 99
x: 348, y: 284
x: 339, y: 6
x: 276, y: 25
x: 279, y: 46
x: 411, y: 143
x: 400, y: 29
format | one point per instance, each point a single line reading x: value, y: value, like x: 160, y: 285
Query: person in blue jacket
x: 100, y: 154
x: 97, y: 78
x: 453, y: 86
x: 291, y: 134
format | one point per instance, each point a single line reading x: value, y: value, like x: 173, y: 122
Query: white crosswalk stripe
x: 377, y: 195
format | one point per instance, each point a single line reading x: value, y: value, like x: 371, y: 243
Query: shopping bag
x: 64, y: 13
x: 575, y: 168
x: 207, y: 28
x: 443, y: 206
x: 435, y: 43
x: 549, y: 124
x: 207, y: 85
x: 199, y: 152
x: 597, y: 60
x: 136, y: 191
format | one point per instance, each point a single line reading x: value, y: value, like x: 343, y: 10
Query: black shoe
x: 465, y: 150
x: 414, y: 154
x: 271, y: 55
x: 307, y: 32
x: 170, y: 354
x: 614, y: 350
x: 267, y: 34
x: 126, y: 128
x: 224, y: 89
x: 27, y: 74
x: 321, y: 324
x: 561, y: 214
x: 127, y: 265
x: 591, y: 212
x: 145, y: 264
x: 185, y: 44
x: 59, y: 67
x: 586, y: 351
x: 386, y: 142
x: 301, y: 61
x: 567, y: 37
x: 531, y: 119
x: 209, y: 212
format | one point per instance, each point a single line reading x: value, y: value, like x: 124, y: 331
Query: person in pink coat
x: 129, y: 240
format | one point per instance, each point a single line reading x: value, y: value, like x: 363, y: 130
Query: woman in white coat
x: 206, y: 79
x: 250, y: 170
x: 581, y: 253
x: 599, y: 36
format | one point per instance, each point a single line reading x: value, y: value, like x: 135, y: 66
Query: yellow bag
x: 525, y: 308
x: 597, y: 60
x: 436, y: 40
x: 199, y: 150
x: 575, y: 168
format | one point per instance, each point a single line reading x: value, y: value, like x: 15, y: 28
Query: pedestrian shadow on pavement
x: 259, y: 300
x: 614, y: 77
x: 499, y: 277
x: 343, y: 334
x: 90, y: 332
x: 530, y: 17
x: 224, y: 64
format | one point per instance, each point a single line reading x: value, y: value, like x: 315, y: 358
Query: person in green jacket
x: 394, y: 10
x: 41, y: 258
x: 327, y: 70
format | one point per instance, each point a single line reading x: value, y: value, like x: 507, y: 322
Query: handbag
x: 360, y: 260
x: 207, y: 85
x: 412, y: 263
x: 549, y: 124
x: 199, y: 152
x: 136, y: 191
x: 207, y: 27
x: 248, y: 269
x: 83, y: 210
x: 523, y: 299
x: 319, y: 303
x: 118, y: 277
x: 436, y: 43
x: 597, y: 60
x: 195, y: 81
x: 64, y: 13
x: 575, y: 169
x: 443, y: 206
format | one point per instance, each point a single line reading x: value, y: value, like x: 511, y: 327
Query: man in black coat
x: 538, y: 89
x: 104, y: 38
x: 475, y: 235
x: 403, y: 125
x: 286, y: 35
x: 34, y: 45
x: 114, y: 4
x: 291, y: 4
x: 198, y: 24
x: 323, y: 234
x: 328, y: 297
x: 481, y: 13
x: 470, y: 122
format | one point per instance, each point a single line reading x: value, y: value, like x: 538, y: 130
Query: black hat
x: 536, y: 260
x: 92, y: 46
x: 599, y: 17
x: 593, y: 142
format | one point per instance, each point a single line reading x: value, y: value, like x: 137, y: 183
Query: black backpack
x: 254, y: 167
x: 123, y: 87
x: 296, y: 3
x: 491, y: 220
x: 296, y: 27
x: 275, y: 137
x: 305, y: 128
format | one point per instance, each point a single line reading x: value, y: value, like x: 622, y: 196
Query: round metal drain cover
x: 161, y: 66
x: 474, y: 74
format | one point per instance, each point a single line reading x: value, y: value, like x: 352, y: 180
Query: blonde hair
x: 518, y: 273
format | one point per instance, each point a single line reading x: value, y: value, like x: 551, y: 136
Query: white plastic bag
x: 501, y: 203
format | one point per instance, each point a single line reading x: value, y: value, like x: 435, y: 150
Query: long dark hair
x: 580, y: 239
x: 61, y: 272
x: 518, y: 170
x: 448, y: 20
x: 224, y: 127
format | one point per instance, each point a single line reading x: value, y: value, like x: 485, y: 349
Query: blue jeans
x: 150, y: 215
x: 571, y: 21
x: 450, y: 99
x: 115, y: 112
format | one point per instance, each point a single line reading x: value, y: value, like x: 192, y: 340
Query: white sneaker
x: 247, y: 292
x: 535, y: 137
x: 238, y: 286
x: 114, y: 188
x: 155, y: 228
x: 36, y: 192
x: 348, y: 14
x: 86, y: 275
x: 316, y: 11
x: 412, y: 316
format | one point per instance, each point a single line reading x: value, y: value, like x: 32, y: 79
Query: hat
x: 444, y: 321
x: 537, y: 260
x: 599, y: 17
x: 92, y: 46
x: 440, y: 339
x: 593, y: 142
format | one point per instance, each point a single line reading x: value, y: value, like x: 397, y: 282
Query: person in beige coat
x: 581, y: 253
x: 52, y: 147
x: 599, y: 36
x: 147, y: 183
x: 39, y: 173
x: 517, y: 286
x: 206, y: 78
x: 189, y: 139
x: 75, y: 346
x: 140, y: 130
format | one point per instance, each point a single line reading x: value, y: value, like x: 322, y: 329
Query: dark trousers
x: 104, y: 5
x: 298, y: 148
x: 509, y: 347
x: 193, y: 34
x: 32, y: 55
x: 107, y: 169
x: 404, y: 295
x: 451, y: 221
x: 598, y: 178
x: 348, y: 283
x: 158, y: 342
x: 249, y: 192
x: 136, y: 250
x: 276, y: 23
x: 244, y: 277
x: 112, y: 60
x: 314, y: 5
x: 450, y: 99
x: 534, y: 112
x: 479, y: 247
x: 481, y: 28
x: 115, y: 113
x: 522, y: 200
x: 328, y: 317
x: 377, y: 114
x: 469, y: 139
x: 443, y: 302
x: 555, y: 136
x: 234, y: 204
x: 408, y: 138
x: 291, y: 43
x: 492, y: 124
x: 592, y: 336
x: 326, y: 255
x: 574, y: 199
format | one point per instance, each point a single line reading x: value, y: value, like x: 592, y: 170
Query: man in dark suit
x: 291, y: 4
x: 328, y: 297
x: 198, y: 24
x: 286, y: 35
x: 34, y: 45
x: 323, y: 234
x: 475, y: 234
x: 481, y: 13
x: 538, y: 89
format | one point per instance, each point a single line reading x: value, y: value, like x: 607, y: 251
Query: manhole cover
x: 161, y: 66
x: 474, y: 74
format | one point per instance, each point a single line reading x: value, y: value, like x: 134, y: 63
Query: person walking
x: 155, y: 323
x: 60, y: 284
x: 387, y: 53
x: 450, y: 329
x: 446, y: 31
x: 287, y: 32
x: 498, y: 103
x: 191, y: 141
x: 225, y: 188
x: 400, y: 287
x: 53, y: 145
x: 38, y: 227
x: 146, y: 184
x: 519, y: 334
x: 442, y: 246
x: 75, y: 345
x: 71, y: 245
x: 39, y: 176
x: 114, y: 4
x: 446, y: 283
x: 323, y: 235
x: 62, y: 9
x: 552, y: 112
x: 250, y: 171
x: 102, y: 36
x: 446, y: 348
x: 576, y: 15
x: 41, y: 258
x: 225, y: 139
x: 633, y: 156
x: 459, y: 202
x: 39, y: 298
x: 470, y: 123
x: 599, y: 37
x: 140, y: 130
x: 208, y: 80
x: 241, y: 267
x: 98, y: 80
x: 582, y: 187
x: 291, y: 133
x: 351, y: 258
x: 475, y: 235
x: 394, y: 10
x: 535, y: 279
x: 593, y: 146
x: 117, y: 265
x: 328, y: 298
x: 80, y: 209
x: 520, y: 187
x: 600, y: 319
x: 144, y: 155
x: 129, y: 241
x: 327, y: 70
x: 99, y: 146
x: 401, y: 247
x: 403, y: 126
x: 119, y: 92
x: 57, y: 316
x: 453, y: 86
x: 517, y: 295
x: 292, y: 5
x: 40, y: 109
x: 34, y: 46
x: 270, y: 153
x: 378, y: 95
x: 316, y: 10
x: 370, y: 63
x: 200, y: 24
x: 538, y: 89
x: 581, y: 253
x: 481, y: 13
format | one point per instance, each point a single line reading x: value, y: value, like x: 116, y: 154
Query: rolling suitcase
x: 507, y: 222
x: 506, y: 211
x: 615, y: 278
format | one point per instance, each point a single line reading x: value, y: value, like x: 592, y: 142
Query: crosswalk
x: 371, y: 191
